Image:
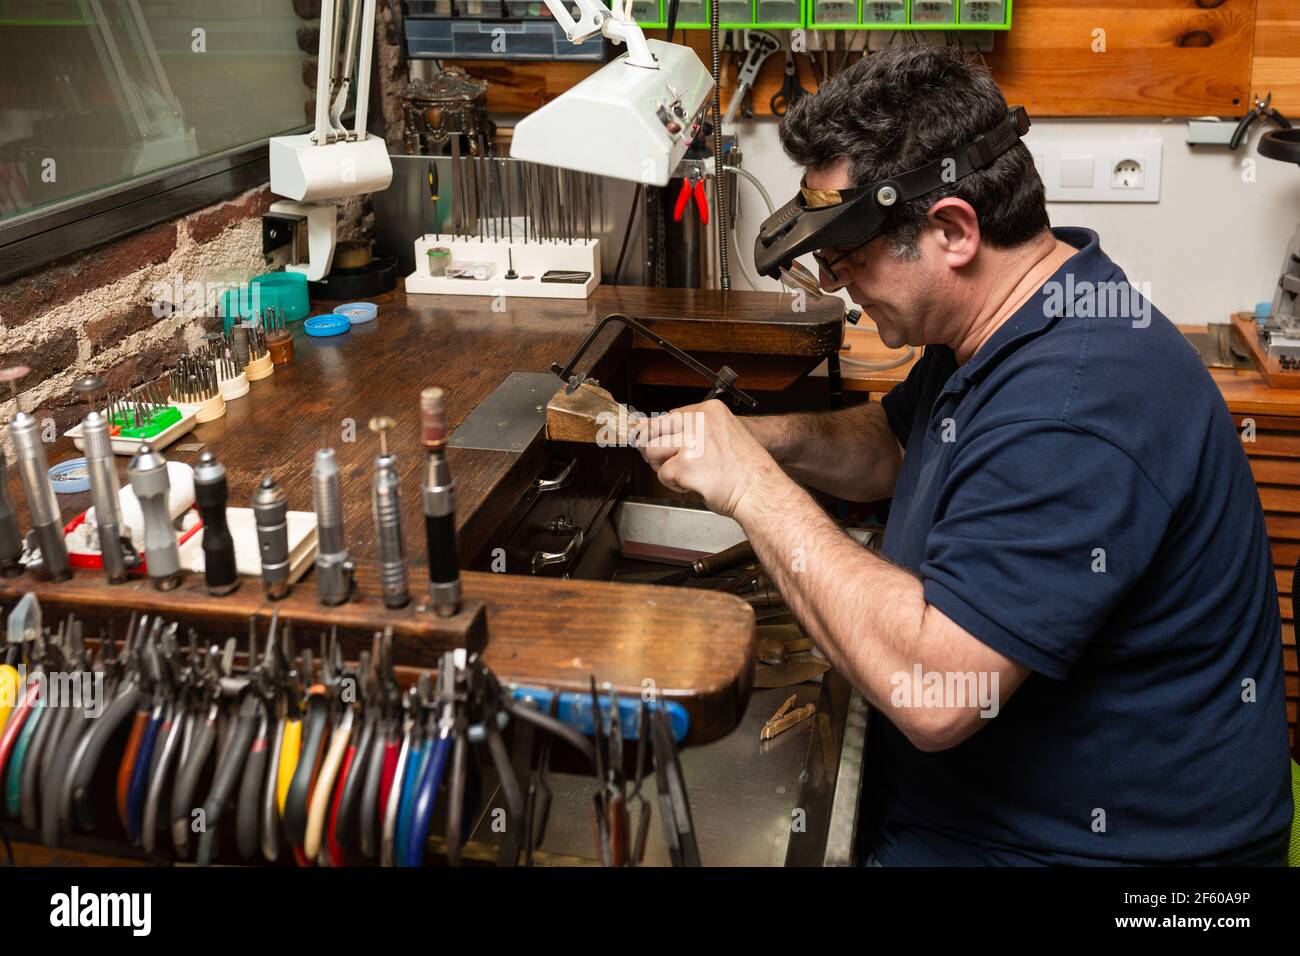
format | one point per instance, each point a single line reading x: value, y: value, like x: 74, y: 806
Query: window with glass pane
x: 94, y: 93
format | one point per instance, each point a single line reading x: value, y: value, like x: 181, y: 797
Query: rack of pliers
x: 271, y: 755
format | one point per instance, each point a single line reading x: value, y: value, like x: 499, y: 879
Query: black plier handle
x: 1263, y: 109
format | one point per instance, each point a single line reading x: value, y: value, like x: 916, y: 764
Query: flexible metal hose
x: 719, y: 183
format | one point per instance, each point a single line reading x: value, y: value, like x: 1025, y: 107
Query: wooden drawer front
x: 1275, y: 471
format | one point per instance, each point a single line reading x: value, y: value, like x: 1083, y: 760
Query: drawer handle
x: 559, y: 481
x: 559, y: 526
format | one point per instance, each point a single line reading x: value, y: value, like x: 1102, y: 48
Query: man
x: 1074, y: 525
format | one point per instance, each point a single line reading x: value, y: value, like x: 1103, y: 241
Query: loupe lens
x: 800, y: 277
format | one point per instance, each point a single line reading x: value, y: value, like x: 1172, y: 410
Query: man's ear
x: 957, y: 230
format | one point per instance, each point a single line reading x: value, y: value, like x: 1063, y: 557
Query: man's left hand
x: 705, y: 449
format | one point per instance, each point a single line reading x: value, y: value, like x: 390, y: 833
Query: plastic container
x: 323, y: 326
x: 285, y: 291
x: 358, y: 313
x: 70, y: 477
x: 472, y: 39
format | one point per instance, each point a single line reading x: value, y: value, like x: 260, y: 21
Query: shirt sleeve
x: 1043, y: 530
x: 900, y: 402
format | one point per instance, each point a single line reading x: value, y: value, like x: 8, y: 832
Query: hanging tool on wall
x: 791, y: 90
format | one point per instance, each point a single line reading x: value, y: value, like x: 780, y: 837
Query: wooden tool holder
x: 1244, y: 326
x: 419, y: 636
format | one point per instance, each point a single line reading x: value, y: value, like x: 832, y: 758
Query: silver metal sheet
x: 693, y: 529
x: 512, y: 417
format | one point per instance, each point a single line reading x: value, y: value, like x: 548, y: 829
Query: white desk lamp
x: 633, y: 118
x: 332, y: 162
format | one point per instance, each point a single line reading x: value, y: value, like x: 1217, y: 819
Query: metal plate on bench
x: 512, y: 417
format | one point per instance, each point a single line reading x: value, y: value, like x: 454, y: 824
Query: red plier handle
x: 683, y: 198
x: 701, y: 201
x: 691, y: 187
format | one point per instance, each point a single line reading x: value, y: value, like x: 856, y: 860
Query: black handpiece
x: 439, y: 503
x: 210, y: 494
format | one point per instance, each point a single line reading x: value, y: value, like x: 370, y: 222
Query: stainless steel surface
x: 743, y: 793
x: 843, y: 827
x: 512, y: 417
x: 674, y: 525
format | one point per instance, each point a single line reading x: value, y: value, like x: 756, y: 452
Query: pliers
x: 342, y: 716
x: 791, y: 90
x: 1262, y: 110
x: 692, y: 187
x: 439, y: 746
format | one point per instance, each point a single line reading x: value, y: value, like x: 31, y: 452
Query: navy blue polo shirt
x: 1076, y: 496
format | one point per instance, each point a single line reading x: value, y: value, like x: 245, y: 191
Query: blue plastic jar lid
x: 325, y: 325
x: 70, y: 477
x: 358, y: 313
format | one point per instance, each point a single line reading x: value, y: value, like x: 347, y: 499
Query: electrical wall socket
x: 1099, y: 170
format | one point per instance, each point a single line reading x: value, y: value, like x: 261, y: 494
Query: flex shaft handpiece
x: 148, y: 476
x: 333, y: 568
x: 271, y: 512
x: 439, y: 500
x: 34, y: 471
x: 211, y: 495
x: 386, y: 503
x: 102, y: 470
x: 11, y: 538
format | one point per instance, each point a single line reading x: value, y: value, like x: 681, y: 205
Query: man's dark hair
x: 902, y: 107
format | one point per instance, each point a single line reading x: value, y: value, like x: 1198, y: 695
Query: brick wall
x: 110, y: 311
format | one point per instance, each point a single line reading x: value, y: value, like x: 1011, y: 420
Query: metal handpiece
x: 271, y: 512
x: 386, y: 504
x: 148, y: 476
x: 11, y: 538
x: 211, y: 495
x: 438, y: 498
x: 34, y: 471
x: 104, y: 494
x: 333, y: 568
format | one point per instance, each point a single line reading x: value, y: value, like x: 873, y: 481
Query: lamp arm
x: 596, y: 19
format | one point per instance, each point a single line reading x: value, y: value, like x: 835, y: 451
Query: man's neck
x: 1005, y: 281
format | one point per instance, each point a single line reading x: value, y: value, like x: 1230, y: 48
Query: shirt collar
x: 1043, y: 308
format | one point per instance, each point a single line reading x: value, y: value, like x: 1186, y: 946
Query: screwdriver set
x: 516, y: 229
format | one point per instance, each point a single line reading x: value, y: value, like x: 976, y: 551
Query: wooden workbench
x: 1274, y: 459
x: 552, y: 633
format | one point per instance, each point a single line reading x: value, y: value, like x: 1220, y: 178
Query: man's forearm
x: 869, y: 617
x: 851, y: 454
x: 864, y: 613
